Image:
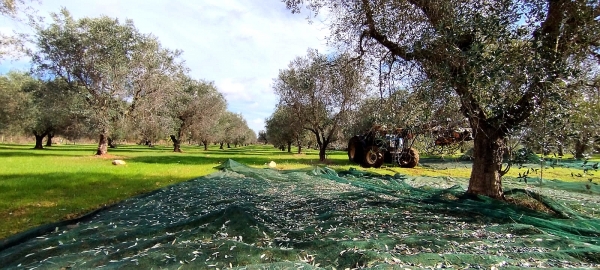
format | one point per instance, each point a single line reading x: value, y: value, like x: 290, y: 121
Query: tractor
x: 380, y: 145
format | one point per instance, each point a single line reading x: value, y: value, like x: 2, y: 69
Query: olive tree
x: 195, y: 110
x: 112, y: 64
x: 262, y: 137
x: 283, y: 128
x: 15, y: 102
x: 245, y: 136
x: 51, y: 109
x: 502, y: 58
x: 11, y: 46
x: 583, y: 128
x: 231, y: 128
x: 151, y: 121
x: 320, y: 92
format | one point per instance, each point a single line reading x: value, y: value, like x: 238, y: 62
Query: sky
x: 239, y: 44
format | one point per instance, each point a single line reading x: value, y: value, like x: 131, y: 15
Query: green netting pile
x: 249, y: 218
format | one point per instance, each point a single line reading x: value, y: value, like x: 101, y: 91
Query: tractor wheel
x: 373, y: 157
x: 355, y: 149
x: 380, y: 160
x: 409, y: 158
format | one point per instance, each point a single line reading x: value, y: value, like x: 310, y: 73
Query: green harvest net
x: 249, y: 218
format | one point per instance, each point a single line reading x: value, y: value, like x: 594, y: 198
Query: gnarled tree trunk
x: 176, y: 144
x: 323, y: 150
x: 580, y: 149
x: 299, y: 144
x: 322, y: 143
x: 486, y: 175
x: 205, y: 145
x: 49, y: 138
x: 111, y: 143
x: 39, y: 140
x: 102, y: 144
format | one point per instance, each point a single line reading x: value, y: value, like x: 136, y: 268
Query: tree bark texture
x: 39, y: 140
x: 111, y: 143
x: 486, y: 174
x: 176, y: 144
x: 102, y: 144
x: 49, y: 138
x: 322, y: 152
x: 580, y: 149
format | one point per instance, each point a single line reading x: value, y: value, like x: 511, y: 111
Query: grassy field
x: 65, y: 181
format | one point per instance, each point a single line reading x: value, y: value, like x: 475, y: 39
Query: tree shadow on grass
x: 33, y: 153
x: 254, y: 160
x: 251, y: 155
x: 25, y: 150
x: 32, y: 199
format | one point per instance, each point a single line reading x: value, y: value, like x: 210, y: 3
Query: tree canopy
x: 114, y: 64
x: 502, y: 59
x: 320, y: 92
x: 103, y: 74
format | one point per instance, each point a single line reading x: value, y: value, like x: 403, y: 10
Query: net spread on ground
x: 255, y: 218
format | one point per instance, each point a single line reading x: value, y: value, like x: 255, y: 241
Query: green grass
x: 65, y: 181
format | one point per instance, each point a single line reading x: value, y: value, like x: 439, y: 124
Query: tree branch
x: 548, y: 33
x: 372, y: 32
x: 431, y: 9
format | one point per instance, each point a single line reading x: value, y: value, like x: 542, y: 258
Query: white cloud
x: 240, y: 45
x: 233, y: 91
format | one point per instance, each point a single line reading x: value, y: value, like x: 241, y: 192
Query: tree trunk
x: 322, y: 152
x: 321, y: 144
x: 205, y: 145
x: 228, y: 145
x: 561, y: 150
x: 289, y: 147
x: 299, y: 149
x: 111, y: 143
x: 49, y: 138
x: 102, y: 144
x: 579, y: 149
x: 176, y: 144
x: 39, y: 140
x: 221, y: 145
x: 486, y: 175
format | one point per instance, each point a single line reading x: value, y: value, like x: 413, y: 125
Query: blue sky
x: 239, y: 44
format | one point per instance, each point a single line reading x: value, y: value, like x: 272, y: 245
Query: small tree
x: 321, y: 91
x: 53, y: 105
x: 283, y: 128
x: 195, y: 109
x: 262, y: 137
x: 230, y: 129
x: 14, y: 102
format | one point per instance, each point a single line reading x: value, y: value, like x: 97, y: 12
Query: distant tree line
x: 102, y: 78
